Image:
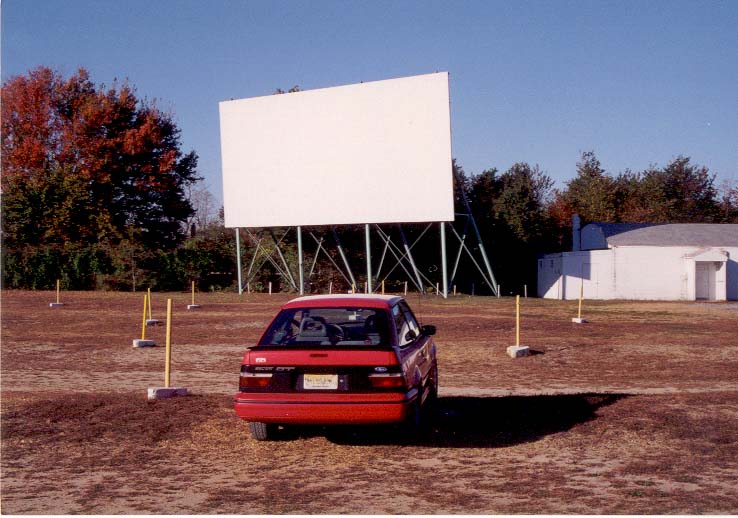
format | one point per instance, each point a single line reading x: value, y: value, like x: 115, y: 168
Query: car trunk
x: 320, y: 369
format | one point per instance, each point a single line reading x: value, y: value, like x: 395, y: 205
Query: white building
x: 644, y: 262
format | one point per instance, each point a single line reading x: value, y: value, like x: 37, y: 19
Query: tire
x: 412, y: 426
x: 433, y: 396
x: 261, y: 431
x: 430, y: 407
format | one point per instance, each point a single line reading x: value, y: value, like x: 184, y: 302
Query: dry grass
x: 634, y: 413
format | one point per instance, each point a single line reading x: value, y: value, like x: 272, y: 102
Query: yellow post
x: 193, y: 293
x: 57, y: 291
x: 581, y: 293
x: 143, y: 322
x: 517, y: 320
x: 168, y: 352
x: 382, y: 287
x: 149, y: 295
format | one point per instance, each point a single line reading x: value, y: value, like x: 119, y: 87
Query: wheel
x: 261, y: 431
x: 433, y: 395
x: 413, y: 423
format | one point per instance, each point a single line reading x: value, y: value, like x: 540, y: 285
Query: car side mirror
x: 410, y: 336
x: 428, y: 330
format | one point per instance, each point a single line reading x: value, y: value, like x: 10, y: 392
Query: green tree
x: 680, y: 192
x: 521, y: 201
x: 593, y: 192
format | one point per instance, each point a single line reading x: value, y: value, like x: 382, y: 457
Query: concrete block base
x: 152, y: 322
x: 516, y: 351
x: 193, y: 306
x: 144, y: 343
x: 166, y: 392
x: 579, y: 320
x: 56, y: 304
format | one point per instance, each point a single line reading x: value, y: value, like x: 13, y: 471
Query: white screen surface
x: 376, y: 152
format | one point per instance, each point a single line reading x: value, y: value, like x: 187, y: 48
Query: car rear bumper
x: 315, y: 408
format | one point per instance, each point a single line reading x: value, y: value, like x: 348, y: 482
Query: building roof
x: 605, y: 235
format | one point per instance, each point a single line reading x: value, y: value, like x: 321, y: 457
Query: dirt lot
x: 635, y: 413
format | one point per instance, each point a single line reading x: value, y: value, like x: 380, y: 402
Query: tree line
x: 97, y: 192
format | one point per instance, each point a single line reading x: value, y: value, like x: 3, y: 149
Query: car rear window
x: 328, y: 326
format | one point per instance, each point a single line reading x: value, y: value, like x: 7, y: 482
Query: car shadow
x: 481, y: 422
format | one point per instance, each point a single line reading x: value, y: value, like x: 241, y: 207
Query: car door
x: 414, y: 350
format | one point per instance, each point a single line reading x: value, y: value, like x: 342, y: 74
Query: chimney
x: 576, y: 233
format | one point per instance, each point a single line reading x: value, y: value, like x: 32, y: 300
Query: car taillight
x: 255, y: 379
x: 387, y: 380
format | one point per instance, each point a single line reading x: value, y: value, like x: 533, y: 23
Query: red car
x: 338, y: 359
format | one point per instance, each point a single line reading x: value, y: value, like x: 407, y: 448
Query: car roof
x: 341, y: 300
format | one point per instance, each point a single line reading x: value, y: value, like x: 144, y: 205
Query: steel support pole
x: 495, y: 287
x: 368, y: 260
x: 386, y: 239
x: 461, y: 249
x: 299, y: 260
x: 320, y: 247
x: 238, y: 260
x: 253, y: 260
x: 287, y: 271
x: 315, y: 259
x: 410, y: 258
x: 444, y: 266
x: 345, y: 261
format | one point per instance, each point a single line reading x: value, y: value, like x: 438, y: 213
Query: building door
x: 704, y: 281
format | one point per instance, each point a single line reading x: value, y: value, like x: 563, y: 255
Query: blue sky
x: 637, y: 82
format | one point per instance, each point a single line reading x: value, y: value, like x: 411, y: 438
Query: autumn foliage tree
x: 89, y: 166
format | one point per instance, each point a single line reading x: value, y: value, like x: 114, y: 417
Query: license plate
x: 320, y: 381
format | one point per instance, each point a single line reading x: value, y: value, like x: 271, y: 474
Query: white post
x: 444, y: 266
x: 368, y: 260
x: 299, y: 260
x: 238, y: 260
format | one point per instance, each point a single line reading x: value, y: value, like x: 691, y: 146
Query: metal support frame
x: 491, y: 281
x: 260, y: 249
x: 410, y: 257
x: 417, y: 277
x: 461, y: 249
x: 290, y: 277
x: 320, y: 247
x: 343, y: 256
x: 401, y: 254
x: 395, y: 250
x: 315, y: 257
